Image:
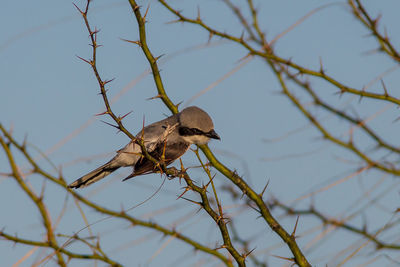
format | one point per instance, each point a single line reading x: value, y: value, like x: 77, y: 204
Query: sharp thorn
x: 295, y: 227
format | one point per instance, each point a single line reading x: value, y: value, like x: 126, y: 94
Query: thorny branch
x: 282, y: 66
x: 335, y: 222
x: 266, y: 52
x: 292, y: 71
x: 254, y: 41
x: 59, y: 250
x: 365, y: 18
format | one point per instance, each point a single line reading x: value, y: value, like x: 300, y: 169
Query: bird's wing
x: 171, y: 152
x: 153, y: 131
x: 151, y: 135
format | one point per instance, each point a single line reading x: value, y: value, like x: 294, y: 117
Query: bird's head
x: 196, y: 126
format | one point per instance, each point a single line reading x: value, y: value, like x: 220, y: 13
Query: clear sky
x: 50, y: 96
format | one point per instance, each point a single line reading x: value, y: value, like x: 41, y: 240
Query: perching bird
x: 170, y: 137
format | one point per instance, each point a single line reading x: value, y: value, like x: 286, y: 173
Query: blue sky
x: 48, y: 93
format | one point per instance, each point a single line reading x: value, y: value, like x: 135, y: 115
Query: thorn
x: 293, y: 235
x: 187, y: 188
x: 98, y: 45
x: 121, y: 118
x: 183, y: 170
x: 160, y: 169
x: 321, y: 69
x: 210, y: 36
x: 42, y: 190
x: 145, y: 13
x: 177, y: 105
x: 220, y: 247
x: 341, y: 92
x: 98, y: 243
x: 204, y: 188
x: 195, y: 202
x: 154, y: 97
x: 384, y: 88
x: 107, y: 81
x: 372, y: 51
x: 385, y: 34
x: 103, y: 113
x: 157, y: 58
x: 365, y: 226
x: 360, y: 98
x: 245, y: 57
x: 376, y: 21
x: 87, y: 7
x: 174, y: 21
x: 289, y: 62
x: 101, y: 92
x: 284, y: 258
x: 351, y: 136
x: 115, y: 126
x: 265, y: 187
x: 241, y: 36
x: 80, y: 11
x: 364, y: 88
x: 142, y: 132
x: 248, y: 253
x: 87, y: 61
x: 133, y: 42
x: 254, y: 208
x: 207, y: 184
x: 198, y: 14
x: 95, y: 32
x: 25, y: 141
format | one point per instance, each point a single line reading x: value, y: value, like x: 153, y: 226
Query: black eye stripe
x: 185, y: 131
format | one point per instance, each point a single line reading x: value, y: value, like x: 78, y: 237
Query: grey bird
x: 170, y: 138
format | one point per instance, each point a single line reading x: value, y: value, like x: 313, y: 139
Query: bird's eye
x: 183, y: 131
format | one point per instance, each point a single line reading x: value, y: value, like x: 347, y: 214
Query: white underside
x: 196, y: 139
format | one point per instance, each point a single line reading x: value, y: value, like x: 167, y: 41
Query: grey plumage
x: 171, y: 136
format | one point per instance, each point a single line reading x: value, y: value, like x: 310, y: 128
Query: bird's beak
x: 212, y: 134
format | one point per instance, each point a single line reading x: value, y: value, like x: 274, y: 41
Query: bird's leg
x: 173, y: 172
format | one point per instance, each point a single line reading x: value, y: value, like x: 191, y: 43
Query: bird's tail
x: 94, y: 175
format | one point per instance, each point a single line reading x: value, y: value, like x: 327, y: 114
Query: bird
x: 165, y: 140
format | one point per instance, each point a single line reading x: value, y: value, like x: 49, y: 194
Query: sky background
x: 47, y: 94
